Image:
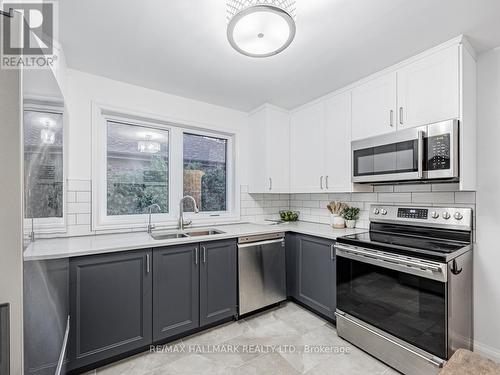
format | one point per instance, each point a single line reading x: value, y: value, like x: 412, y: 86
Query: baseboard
x: 487, y: 351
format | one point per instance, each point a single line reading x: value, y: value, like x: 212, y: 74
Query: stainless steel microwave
x: 418, y: 154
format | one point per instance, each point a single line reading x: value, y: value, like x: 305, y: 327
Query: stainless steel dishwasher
x: 262, y: 271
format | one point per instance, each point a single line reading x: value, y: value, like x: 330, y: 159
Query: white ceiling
x: 180, y: 46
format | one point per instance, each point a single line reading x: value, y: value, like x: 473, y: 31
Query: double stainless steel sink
x: 171, y: 235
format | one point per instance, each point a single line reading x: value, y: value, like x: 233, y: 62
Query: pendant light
x: 260, y: 28
x: 148, y: 146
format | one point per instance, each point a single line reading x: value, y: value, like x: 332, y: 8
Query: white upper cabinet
x: 434, y: 86
x: 374, y: 107
x: 269, y: 150
x: 338, y: 143
x: 278, y: 151
x: 429, y: 89
x: 307, y: 149
x: 320, y: 146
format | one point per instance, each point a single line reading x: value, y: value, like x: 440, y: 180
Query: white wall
x: 85, y: 88
x: 487, y: 252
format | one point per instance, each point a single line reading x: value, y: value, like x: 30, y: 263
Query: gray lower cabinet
x: 176, y: 290
x: 315, y: 274
x: 218, y: 280
x: 120, y: 302
x: 4, y: 338
x: 110, y: 304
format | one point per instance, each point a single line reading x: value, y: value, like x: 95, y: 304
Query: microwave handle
x: 420, y: 152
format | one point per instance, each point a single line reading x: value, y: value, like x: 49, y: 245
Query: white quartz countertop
x: 66, y: 247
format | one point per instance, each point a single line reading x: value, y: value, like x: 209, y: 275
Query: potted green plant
x: 350, y: 215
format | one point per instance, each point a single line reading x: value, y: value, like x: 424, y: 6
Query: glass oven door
x: 409, y: 306
x: 392, y: 157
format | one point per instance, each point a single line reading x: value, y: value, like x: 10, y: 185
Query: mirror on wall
x: 46, y: 282
x: 44, y: 167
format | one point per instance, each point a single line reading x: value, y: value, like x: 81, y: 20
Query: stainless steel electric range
x: 404, y: 289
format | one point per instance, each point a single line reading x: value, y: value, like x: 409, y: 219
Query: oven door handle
x: 404, y: 262
x: 434, y: 271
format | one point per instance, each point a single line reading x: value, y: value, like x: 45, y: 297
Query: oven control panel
x: 413, y: 213
x: 443, y: 217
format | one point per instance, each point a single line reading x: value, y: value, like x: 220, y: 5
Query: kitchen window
x: 137, y: 169
x: 44, y: 168
x: 139, y: 162
x: 205, y: 171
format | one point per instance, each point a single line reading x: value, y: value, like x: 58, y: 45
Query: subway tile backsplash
x: 78, y: 208
x: 312, y: 207
x: 432, y: 195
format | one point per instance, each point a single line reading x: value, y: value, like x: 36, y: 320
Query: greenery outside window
x: 205, y: 171
x: 137, y: 169
x: 138, y: 162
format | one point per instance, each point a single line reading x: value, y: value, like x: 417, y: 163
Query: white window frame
x: 101, y: 114
x: 214, y: 215
x: 49, y: 225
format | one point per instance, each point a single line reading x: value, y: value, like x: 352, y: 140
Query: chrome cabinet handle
x: 196, y: 255
x: 391, y: 118
x: 147, y: 263
x: 321, y: 182
x: 401, y: 115
x: 204, y: 249
x: 332, y: 251
x: 270, y: 183
x: 326, y: 181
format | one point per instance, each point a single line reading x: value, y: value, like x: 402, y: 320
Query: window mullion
x: 176, y: 171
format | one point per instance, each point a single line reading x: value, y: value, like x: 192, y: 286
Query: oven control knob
x: 458, y: 216
x: 376, y: 211
x: 383, y: 211
x: 434, y: 214
x: 446, y: 215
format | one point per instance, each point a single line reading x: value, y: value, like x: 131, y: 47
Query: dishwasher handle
x: 261, y: 243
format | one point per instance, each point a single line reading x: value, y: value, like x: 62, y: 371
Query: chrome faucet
x: 150, y: 208
x: 181, y: 211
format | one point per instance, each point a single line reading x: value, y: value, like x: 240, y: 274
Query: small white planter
x: 337, y: 221
x: 350, y: 224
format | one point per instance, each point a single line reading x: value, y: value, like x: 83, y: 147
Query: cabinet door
x: 110, y: 305
x: 175, y: 290
x: 269, y: 142
x: 374, y: 107
x: 258, y: 176
x: 338, y: 143
x: 316, y: 285
x: 429, y: 89
x: 307, y: 148
x: 278, y: 151
x: 217, y: 281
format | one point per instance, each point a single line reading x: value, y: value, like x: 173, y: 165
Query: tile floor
x: 280, y: 341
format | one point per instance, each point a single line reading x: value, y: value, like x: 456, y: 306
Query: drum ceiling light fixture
x: 260, y: 28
